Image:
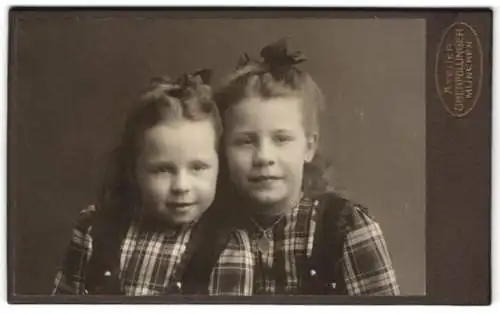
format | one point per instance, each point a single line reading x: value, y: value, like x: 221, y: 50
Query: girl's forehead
x: 183, y: 132
x: 266, y: 114
x: 258, y: 107
x: 276, y: 106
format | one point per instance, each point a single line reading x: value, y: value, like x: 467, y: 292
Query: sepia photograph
x: 225, y: 153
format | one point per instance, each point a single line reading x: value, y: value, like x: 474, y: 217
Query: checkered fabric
x: 149, y: 261
x: 366, y: 263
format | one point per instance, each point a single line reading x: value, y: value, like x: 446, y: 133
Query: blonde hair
x: 275, y: 76
x: 165, y: 101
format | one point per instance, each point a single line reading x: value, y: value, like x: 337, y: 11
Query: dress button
x: 107, y: 273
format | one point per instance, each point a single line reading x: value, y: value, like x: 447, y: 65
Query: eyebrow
x: 284, y: 131
x: 200, y: 161
x: 159, y: 162
x: 249, y: 132
x: 245, y: 132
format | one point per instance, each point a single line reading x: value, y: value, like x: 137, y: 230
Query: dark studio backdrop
x: 73, y: 76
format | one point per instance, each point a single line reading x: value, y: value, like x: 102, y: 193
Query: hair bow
x: 276, y: 58
x: 276, y: 54
x: 178, y: 87
x: 195, y: 79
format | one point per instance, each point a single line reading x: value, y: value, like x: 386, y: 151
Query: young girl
x: 305, y: 240
x: 141, y: 237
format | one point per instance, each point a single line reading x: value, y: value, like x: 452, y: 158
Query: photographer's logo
x: 459, y: 69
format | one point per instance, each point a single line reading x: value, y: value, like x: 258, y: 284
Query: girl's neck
x: 267, y: 214
x: 152, y: 223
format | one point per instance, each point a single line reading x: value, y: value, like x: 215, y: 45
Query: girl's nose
x: 265, y: 154
x: 180, y: 184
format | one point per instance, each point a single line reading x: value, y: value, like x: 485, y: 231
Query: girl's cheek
x: 210, y: 178
x: 243, y: 159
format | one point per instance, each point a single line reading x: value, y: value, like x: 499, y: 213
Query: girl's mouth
x: 263, y: 179
x: 180, y: 205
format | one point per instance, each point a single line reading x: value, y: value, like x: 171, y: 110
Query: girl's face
x: 266, y: 147
x: 177, y: 170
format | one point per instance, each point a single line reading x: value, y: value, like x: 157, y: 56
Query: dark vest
x: 210, y: 237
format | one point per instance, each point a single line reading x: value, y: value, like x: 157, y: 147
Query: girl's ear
x: 311, y: 146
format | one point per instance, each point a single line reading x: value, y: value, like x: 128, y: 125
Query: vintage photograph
x: 155, y: 154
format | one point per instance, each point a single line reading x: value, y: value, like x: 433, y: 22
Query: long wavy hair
x: 165, y: 101
x: 276, y: 75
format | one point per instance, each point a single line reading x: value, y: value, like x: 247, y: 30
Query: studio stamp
x: 459, y: 69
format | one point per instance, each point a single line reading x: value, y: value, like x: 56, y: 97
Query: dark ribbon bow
x: 276, y: 58
x: 201, y: 77
x: 176, y: 88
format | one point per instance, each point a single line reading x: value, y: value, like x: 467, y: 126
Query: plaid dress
x: 366, y: 264
x: 149, y: 261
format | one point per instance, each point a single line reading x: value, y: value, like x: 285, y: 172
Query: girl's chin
x: 268, y: 197
x: 181, y: 219
x: 173, y: 220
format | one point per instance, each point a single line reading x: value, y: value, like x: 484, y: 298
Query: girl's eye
x: 242, y: 141
x: 200, y: 166
x: 160, y: 169
x: 283, y: 138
